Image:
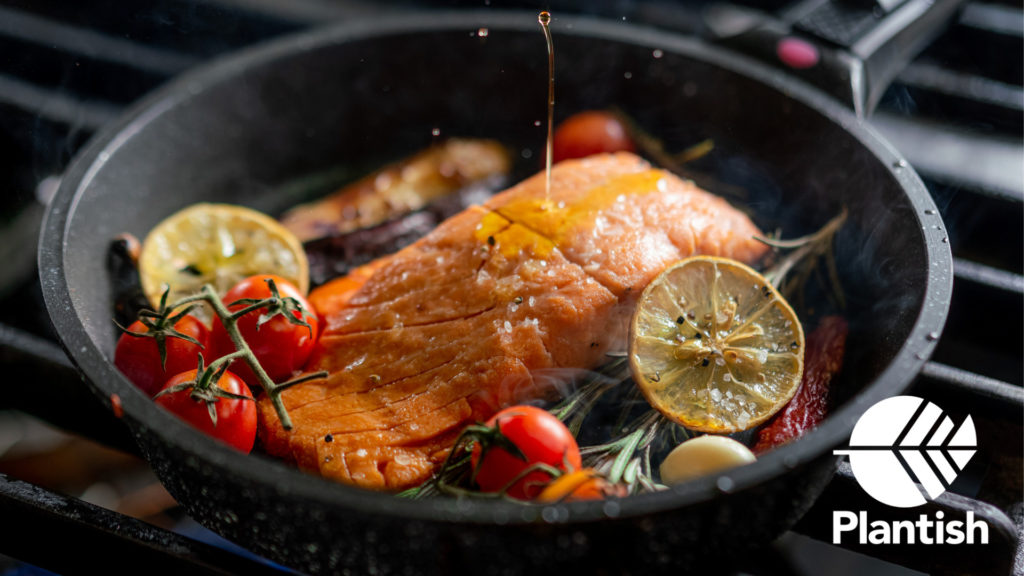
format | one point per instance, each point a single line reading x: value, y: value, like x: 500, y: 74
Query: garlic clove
x: 702, y: 456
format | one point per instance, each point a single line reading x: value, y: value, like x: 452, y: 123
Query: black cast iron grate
x: 956, y: 112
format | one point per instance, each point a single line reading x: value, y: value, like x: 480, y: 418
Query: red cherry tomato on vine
x: 541, y: 438
x: 236, y: 419
x: 280, y: 346
x: 588, y: 133
x: 138, y: 357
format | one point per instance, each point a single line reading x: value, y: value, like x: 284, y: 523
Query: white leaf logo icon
x: 904, y: 441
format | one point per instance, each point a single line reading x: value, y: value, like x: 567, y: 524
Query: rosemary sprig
x: 457, y: 475
x: 653, y: 148
x: 627, y: 458
x: 573, y: 410
x: 807, y: 253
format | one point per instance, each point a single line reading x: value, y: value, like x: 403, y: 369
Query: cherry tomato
x: 540, y: 437
x: 591, y: 132
x: 280, y: 346
x: 138, y: 357
x: 585, y: 484
x: 236, y: 419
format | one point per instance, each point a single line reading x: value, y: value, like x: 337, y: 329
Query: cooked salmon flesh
x: 454, y: 327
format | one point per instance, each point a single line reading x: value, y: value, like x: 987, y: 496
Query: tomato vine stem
x: 229, y: 319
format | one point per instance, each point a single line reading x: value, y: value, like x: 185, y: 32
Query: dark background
x: 68, y: 68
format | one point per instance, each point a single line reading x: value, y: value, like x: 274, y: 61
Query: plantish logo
x: 905, y: 450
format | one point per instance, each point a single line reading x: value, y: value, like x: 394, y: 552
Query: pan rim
x: 106, y: 380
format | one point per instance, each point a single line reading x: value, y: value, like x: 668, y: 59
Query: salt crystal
x: 743, y: 418
x: 531, y: 301
x: 762, y: 356
x: 508, y: 326
x: 719, y: 362
x: 727, y: 377
x: 716, y: 395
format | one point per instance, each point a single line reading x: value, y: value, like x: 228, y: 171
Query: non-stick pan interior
x: 243, y: 130
x: 239, y: 135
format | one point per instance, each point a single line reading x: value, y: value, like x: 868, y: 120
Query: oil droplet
x: 483, y: 32
x: 657, y: 53
x: 930, y: 212
x: 115, y: 406
x: 611, y: 509
x: 627, y: 75
x: 945, y: 240
x: 725, y: 484
x: 901, y: 163
x: 932, y: 336
x: 544, y: 18
x: 536, y: 122
x: 501, y: 517
x: 436, y: 131
x: 550, y: 515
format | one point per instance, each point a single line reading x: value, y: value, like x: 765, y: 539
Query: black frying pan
x: 245, y: 127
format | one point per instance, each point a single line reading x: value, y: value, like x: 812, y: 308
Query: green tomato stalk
x: 273, y: 306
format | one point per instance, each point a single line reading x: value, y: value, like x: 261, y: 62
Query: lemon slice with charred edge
x: 714, y: 347
x: 220, y: 244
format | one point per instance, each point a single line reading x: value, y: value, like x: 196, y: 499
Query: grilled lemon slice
x: 714, y: 347
x: 220, y: 244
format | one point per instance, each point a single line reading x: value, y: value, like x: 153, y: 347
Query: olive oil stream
x: 540, y: 226
x: 545, y: 23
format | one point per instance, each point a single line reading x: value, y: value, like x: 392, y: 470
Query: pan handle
x: 851, y: 49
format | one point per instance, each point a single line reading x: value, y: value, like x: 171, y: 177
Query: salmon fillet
x: 454, y: 327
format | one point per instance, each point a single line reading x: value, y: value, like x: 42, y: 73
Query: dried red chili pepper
x: 823, y: 358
